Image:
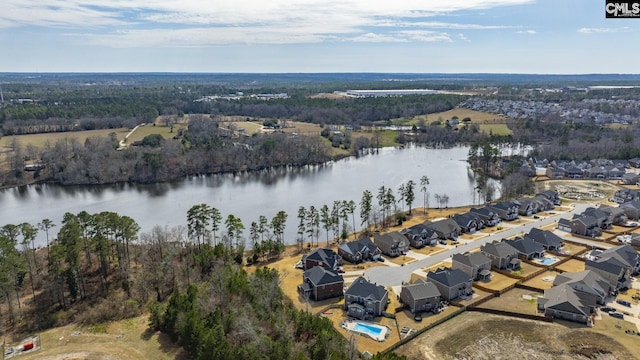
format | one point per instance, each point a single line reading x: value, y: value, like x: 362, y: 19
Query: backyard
x: 572, y: 265
x: 543, y: 281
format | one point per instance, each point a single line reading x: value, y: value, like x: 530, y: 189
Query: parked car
x: 617, y: 315
x: 607, y: 309
x: 418, y: 317
x: 624, y: 303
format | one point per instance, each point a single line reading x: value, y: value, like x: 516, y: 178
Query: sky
x: 314, y: 36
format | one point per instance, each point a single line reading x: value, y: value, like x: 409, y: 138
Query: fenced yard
x: 515, y: 300
x: 498, y: 282
x: 572, y: 265
x: 543, y: 281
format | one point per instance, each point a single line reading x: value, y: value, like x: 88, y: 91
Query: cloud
x: 603, y: 30
x: 462, y: 37
x: 527, y: 32
x: 214, y: 22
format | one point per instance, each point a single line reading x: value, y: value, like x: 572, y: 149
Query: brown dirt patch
x: 538, y: 282
x: 515, y: 300
x: 572, y: 265
x: 498, y: 281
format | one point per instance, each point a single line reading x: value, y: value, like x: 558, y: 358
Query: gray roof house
x: 585, y: 225
x: 452, y: 283
x: 502, y: 255
x: 564, y: 302
x: 548, y: 240
x: 364, y: 300
x: 603, y: 218
x: 631, y: 209
x: 319, y: 283
x: 630, y: 178
x: 554, y: 172
x: 468, y: 223
x: 359, y: 250
x: 477, y: 265
x: 586, y: 281
x: 488, y: 215
x: 420, y: 235
x: 420, y: 296
x: 507, y: 210
x: 527, y: 248
x: 445, y: 228
x: 625, y: 195
x: 326, y: 258
x: 574, y: 172
x: 391, y: 244
x: 616, y: 214
x: 551, y: 196
x: 526, y: 206
x: 610, y: 270
x: 626, y: 255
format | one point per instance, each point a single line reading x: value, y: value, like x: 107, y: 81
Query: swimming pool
x: 547, y: 260
x: 374, y: 331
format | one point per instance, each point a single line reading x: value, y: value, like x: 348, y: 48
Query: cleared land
x: 515, y: 300
x: 126, y: 339
x: 148, y: 129
x: 543, y: 281
x: 39, y: 140
x: 572, y: 265
x: 483, y: 336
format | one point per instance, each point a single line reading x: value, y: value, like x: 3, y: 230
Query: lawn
x: 496, y: 129
x: 143, y: 131
x: 572, y: 265
x: 39, y: 140
x: 572, y: 248
x: 498, y: 281
x: 525, y: 269
x: 539, y: 282
x: 515, y: 300
x: 249, y: 127
x: 400, y: 260
x: 125, y: 339
x: 429, y: 250
x: 477, y: 117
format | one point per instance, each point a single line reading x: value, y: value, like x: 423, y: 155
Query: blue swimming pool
x: 368, y: 329
x: 547, y: 261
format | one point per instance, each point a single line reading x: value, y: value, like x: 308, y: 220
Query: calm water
x: 250, y: 195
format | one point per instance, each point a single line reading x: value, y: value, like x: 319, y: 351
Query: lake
x: 250, y: 195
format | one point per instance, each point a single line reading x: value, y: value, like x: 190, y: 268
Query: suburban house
x: 445, y: 228
x: 551, y: 196
x: 358, y: 251
x: 506, y: 210
x: 488, y: 216
x: 631, y: 209
x: 527, y: 248
x: 420, y: 296
x: 543, y: 203
x: 467, y: 222
x: 326, y: 258
x: 526, y: 206
x: 564, y: 302
x: 452, y: 283
x: 548, y: 240
x: 364, y: 300
x: 586, y: 281
x: 574, y: 172
x: 630, y: 178
x: 391, y: 244
x: 625, y: 195
x: 584, y: 225
x: 616, y: 214
x: 603, y: 219
x: 626, y: 255
x: 502, y: 255
x: 420, y: 236
x: 635, y: 162
x: 477, y: 265
x: 554, y: 172
x: 319, y: 283
x: 565, y: 225
x: 610, y: 270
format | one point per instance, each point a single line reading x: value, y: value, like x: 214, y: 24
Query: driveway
x: 393, y: 276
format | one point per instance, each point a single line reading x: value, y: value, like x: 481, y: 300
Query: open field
x: 39, y: 140
x: 514, y: 301
x: 148, y: 129
x: 126, y: 339
x: 477, y: 117
x: 496, y: 129
x: 543, y: 281
x: 483, y: 336
x: 572, y: 265
x: 249, y: 127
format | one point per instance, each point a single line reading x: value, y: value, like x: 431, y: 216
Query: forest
x: 96, y: 268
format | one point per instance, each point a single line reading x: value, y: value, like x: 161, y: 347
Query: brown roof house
x: 420, y: 296
x: 477, y: 265
x: 364, y: 300
x: 319, y: 283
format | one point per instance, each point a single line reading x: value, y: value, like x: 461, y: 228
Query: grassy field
x: 39, y: 140
x: 145, y: 130
x: 496, y: 129
x: 126, y: 339
x: 477, y: 117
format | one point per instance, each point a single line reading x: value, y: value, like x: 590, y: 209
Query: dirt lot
x: 595, y: 191
x: 514, y: 301
x: 484, y: 336
x: 573, y: 248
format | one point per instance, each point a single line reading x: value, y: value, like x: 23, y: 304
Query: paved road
x: 396, y: 275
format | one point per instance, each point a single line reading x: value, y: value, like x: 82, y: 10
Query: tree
x: 263, y: 226
x: 198, y: 217
x: 46, y: 225
x: 409, y: 194
x: 302, y: 216
x: 335, y: 218
x: 216, y: 218
x: 278, y: 224
x: 11, y: 266
x: 382, y: 198
x: 29, y: 233
x: 326, y: 220
x: 235, y: 228
x: 365, y: 207
x: 313, y: 223
x: 350, y: 207
x: 424, y: 182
